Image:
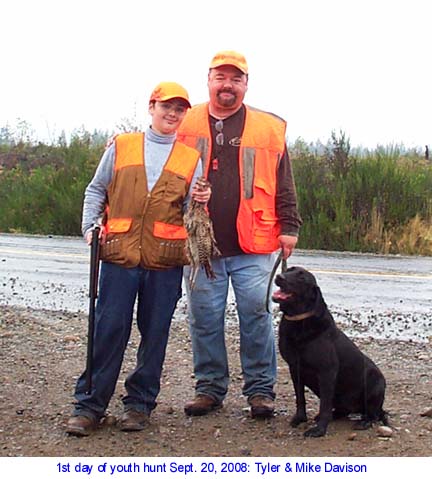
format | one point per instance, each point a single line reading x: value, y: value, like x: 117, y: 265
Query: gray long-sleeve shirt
x: 156, y: 151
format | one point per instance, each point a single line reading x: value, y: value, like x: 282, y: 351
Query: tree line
x: 350, y: 199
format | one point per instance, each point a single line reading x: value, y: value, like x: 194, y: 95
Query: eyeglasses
x: 220, y: 136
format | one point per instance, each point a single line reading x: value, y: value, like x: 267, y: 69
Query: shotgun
x: 93, y: 293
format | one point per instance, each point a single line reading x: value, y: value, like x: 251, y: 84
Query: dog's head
x: 298, y: 291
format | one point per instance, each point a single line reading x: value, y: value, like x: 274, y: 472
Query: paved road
x: 385, y: 296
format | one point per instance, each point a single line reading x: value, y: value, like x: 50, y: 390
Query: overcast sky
x: 360, y: 66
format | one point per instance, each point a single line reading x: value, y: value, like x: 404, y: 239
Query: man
x: 141, y: 183
x: 254, y: 212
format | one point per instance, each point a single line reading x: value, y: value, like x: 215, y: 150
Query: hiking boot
x: 201, y: 405
x: 133, y: 420
x: 261, y: 406
x: 81, y: 425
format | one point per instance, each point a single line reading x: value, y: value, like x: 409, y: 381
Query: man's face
x: 227, y: 87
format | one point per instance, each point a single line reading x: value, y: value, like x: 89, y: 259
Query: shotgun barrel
x: 93, y: 293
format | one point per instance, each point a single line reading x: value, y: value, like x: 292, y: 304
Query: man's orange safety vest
x: 261, y: 148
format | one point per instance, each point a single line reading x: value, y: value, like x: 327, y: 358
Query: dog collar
x: 299, y: 317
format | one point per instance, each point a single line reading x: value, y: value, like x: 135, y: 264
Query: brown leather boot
x: 81, y: 425
x: 133, y: 420
x: 201, y: 405
x: 261, y: 406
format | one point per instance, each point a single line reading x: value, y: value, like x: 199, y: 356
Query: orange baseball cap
x: 230, y: 57
x: 167, y: 90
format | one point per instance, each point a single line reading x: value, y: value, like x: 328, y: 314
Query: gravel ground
x: 43, y: 352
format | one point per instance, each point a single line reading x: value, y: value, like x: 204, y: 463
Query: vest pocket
x: 111, y: 249
x: 119, y: 225
x: 175, y: 189
x: 169, y: 231
x: 265, y: 231
x: 171, y: 239
x: 122, y: 250
x: 171, y: 252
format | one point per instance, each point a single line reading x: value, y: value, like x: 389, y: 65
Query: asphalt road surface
x: 374, y: 295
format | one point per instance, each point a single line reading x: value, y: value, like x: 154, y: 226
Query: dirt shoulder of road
x: 43, y: 352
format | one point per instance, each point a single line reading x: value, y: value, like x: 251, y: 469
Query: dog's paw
x: 298, y: 419
x: 316, y: 431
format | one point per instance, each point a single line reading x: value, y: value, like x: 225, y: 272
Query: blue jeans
x: 157, y: 293
x: 249, y: 276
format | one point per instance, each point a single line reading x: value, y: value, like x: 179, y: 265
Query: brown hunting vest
x: 146, y: 227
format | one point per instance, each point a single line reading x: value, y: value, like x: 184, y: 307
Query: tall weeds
x: 369, y: 201
x: 43, y: 192
x: 350, y: 200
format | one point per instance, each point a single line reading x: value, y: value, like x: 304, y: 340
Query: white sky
x: 360, y: 66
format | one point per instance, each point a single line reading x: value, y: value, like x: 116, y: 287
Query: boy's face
x: 167, y: 115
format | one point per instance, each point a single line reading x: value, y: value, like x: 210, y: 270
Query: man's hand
x: 287, y: 244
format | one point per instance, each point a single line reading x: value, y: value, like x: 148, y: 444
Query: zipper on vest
x: 143, y: 216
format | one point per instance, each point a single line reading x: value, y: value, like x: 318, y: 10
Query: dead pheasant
x: 201, y: 243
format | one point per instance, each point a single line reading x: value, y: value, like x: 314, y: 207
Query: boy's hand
x: 102, y: 235
x: 201, y: 191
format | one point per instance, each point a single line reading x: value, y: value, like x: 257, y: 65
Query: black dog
x: 321, y: 357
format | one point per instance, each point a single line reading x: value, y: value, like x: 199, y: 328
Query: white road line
x: 372, y: 273
x: 315, y: 271
x: 42, y: 253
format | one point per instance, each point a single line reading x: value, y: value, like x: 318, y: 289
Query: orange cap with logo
x: 169, y: 90
x: 230, y: 57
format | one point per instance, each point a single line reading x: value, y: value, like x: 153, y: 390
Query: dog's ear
x: 317, y: 294
x: 319, y: 298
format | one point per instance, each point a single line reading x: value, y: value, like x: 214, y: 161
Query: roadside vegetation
x: 350, y: 199
x: 363, y: 200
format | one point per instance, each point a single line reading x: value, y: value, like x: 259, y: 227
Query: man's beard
x: 227, y: 101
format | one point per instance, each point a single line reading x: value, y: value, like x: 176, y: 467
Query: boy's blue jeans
x: 157, y: 293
